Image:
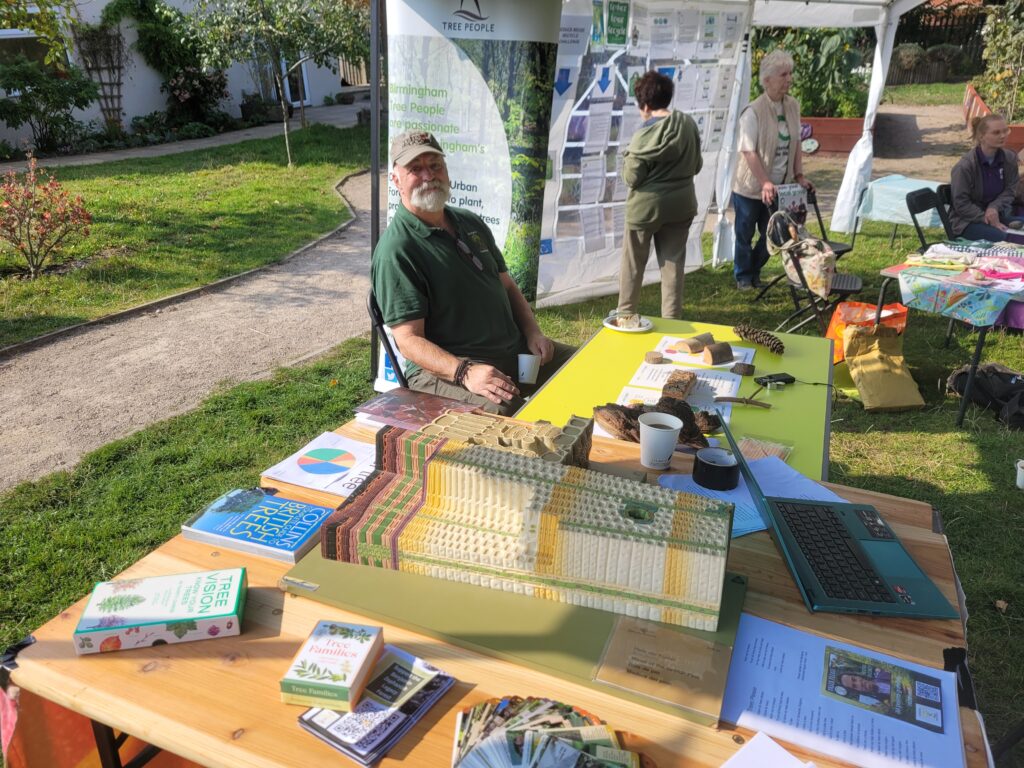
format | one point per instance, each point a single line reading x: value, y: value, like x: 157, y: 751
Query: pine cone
x: 769, y: 340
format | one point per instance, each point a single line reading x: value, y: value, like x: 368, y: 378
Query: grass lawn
x: 163, y: 225
x: 925, y: 95
x: 70, y: 529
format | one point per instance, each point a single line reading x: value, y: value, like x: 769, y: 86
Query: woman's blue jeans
x: 750, y: 215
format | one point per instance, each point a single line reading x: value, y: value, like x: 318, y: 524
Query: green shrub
x: 908, y: 55
x: 949, y: 54
x: 6, y: 150
x: 1002, y: 83
x: 44, y: 101
x: 328, y: 100
x: 828, y: 77
x: 195, y: 131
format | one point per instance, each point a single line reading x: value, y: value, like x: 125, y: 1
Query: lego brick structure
x: 482, y: 515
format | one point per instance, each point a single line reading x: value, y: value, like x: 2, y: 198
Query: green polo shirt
x: 418, y: 271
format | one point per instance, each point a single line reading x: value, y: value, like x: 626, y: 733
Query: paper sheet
x: 667, y: 347
x: 762, y: 751
x: 593, y: 229
x: 592, y: 181
x: 775, y: 477
x: 330, y: 462
x: 815, y: 692
x: 599, y: 126
x: 706, y: 389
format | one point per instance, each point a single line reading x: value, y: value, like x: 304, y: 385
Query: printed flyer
x: 850, y: 703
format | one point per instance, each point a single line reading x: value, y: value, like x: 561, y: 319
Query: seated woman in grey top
x: 984, y: 183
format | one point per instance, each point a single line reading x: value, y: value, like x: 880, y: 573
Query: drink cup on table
x: 529, y: 367
x: 659, y: 433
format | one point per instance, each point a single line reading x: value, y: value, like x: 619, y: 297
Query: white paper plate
x: 645, y: 325
x: 810, y: 146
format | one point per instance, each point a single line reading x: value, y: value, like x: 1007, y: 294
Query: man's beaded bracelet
x: 460, y: 373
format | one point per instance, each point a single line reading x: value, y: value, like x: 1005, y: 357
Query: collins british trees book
x: 256, y: 521
x: 331, y: 668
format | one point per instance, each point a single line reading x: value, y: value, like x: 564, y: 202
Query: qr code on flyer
x: 927, y: 691
x: 359, y: 723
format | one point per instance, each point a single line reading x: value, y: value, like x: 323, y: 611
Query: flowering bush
x: 194, y: 93
x: 37, y: 215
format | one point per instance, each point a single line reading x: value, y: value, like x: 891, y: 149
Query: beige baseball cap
x: 409, y: 145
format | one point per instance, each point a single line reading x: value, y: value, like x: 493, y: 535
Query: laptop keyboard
x: 842, y: 569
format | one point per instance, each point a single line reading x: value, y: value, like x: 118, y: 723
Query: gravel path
x: 68, y: 397
x: 63, y: 399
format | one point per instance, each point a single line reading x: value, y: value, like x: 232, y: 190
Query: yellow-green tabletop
x: 799, y: 416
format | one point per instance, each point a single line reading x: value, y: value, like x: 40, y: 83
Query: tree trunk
x: 284, y: 112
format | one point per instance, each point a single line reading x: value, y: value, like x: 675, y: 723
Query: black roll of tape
x: 716, y: 469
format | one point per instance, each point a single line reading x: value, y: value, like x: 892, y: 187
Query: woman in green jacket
x: 658, y: 168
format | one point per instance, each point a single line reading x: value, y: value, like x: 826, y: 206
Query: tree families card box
x: 137, y: 613
x: 332, y: 667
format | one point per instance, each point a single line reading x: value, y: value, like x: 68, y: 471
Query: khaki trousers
x: 670, y: 247
x: 422, y: 381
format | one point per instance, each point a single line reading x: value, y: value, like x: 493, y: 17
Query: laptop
x: 844, y: 557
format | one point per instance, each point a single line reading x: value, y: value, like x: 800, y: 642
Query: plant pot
x: 835, y: 134
x: 346, y: 98
x: 975, y: 106
x: 274, y: 112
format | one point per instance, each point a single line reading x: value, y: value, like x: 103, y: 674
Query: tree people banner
x: 478, y: 74
x: 604, y: 47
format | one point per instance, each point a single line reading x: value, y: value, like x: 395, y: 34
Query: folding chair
x: 377, y: 320
x: 922, y: 200
x: 945, y: 193
x: 838, y: 248
x: 844, y: 285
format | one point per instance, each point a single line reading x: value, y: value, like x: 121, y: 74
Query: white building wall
x: 141, y: 94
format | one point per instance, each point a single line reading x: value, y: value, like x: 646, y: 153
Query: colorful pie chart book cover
x: 255, y: 520
x: 329, y: 463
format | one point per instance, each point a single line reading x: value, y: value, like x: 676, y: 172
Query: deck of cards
x: 535, y: 733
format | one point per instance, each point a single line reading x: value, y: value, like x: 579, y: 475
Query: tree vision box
x: 136, y: 613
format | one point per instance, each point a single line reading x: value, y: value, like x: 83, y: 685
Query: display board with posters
x: 604, y: 46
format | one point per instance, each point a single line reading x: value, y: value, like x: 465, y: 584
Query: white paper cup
x: 529, y: 366
x: 659, y: 433
x: 1020, y: 474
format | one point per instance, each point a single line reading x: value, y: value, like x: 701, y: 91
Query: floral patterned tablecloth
x: 951, y: 295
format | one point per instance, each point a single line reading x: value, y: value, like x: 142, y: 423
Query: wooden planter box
x: 975, y: 106
x: 835, y: 134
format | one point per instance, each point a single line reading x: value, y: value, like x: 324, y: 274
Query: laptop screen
x: 755, y: 490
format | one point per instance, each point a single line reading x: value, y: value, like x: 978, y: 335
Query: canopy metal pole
x: 375, y: 84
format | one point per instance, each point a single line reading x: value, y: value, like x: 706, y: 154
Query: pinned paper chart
x: 328, y: 460
x: 669, y: 347
x: 594, y: 118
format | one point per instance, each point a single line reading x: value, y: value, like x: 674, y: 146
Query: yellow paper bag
x: 874, y: 356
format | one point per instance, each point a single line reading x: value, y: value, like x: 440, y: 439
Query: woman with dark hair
x: 984, y: 183
x: 659, y: 166
x: 770, y: 154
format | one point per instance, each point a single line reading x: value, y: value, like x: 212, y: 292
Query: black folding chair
x: 838, y: 248
x: 921, y: 201
x: 377, y: 320
x: 945, y: 193
x: 844, y: 285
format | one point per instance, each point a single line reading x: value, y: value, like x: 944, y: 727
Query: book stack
x: 137, y: 613
x: 531, y: 733
x: 477, y: 514
x: 332, y: 666
x: 401, y: 689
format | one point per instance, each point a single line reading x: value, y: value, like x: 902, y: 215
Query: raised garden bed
x: 975, y: 106
x: 835, y: 134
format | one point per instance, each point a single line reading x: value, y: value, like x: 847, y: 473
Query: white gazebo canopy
x: 883, y: 17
